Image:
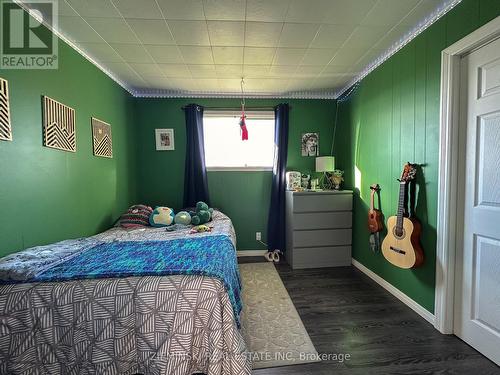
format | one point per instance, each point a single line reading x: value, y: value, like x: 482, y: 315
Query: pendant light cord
x: 334, y: 127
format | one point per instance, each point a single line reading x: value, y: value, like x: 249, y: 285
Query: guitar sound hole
x: 399, y: 232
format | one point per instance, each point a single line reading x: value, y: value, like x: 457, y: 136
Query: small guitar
x: 401, y: 246
x: 375, y: 221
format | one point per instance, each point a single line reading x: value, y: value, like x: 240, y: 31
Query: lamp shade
x: 325, y: 164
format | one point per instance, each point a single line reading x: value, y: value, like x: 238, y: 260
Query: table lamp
x: 325, y: 164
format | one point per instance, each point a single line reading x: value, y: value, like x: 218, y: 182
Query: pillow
x: 161, y: 217
x: 136, y: 216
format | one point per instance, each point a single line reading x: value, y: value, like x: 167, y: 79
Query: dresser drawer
x: 324, y: 237
x: 322, y: 220
x: 316, y: 257
x: 322, y: 202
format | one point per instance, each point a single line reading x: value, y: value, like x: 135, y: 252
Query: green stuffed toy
x: 202, y: 215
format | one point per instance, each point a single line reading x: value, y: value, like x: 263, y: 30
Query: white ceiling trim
x: 446, y: 6
x: 63, y: 37
x: 159, y: 93
x: 422, y: 26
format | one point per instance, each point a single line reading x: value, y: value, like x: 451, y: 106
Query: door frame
x: 450, y: 215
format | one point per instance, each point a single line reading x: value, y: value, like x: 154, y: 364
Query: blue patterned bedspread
x: 212, y: 256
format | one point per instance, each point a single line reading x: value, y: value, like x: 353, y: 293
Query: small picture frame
x: 102, y: 139
x: 165, y: 139
x: 310, y: 144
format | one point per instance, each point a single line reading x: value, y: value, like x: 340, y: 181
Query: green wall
x: 48, y: 195
x: 392, y: 118
x: 244, y: 196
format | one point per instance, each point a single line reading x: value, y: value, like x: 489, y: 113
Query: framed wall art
x: 58, y: 125
x: 164, y: 139
x: 310, y: 144
x: 101, y: 138
x: 5, y: 127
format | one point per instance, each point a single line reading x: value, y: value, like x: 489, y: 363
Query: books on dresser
x: 318, y: 228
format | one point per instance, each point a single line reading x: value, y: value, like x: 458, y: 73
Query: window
x: 224, y: 148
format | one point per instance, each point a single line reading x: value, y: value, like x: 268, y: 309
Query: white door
x: 477, y: 289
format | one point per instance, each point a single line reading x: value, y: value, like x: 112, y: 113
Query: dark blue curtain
x: 276, y: 219
x: 195, y: 174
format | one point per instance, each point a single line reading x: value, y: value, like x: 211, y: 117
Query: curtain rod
x: 238, y: 108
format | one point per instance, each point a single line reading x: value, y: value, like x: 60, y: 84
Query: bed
x: 141, y: 301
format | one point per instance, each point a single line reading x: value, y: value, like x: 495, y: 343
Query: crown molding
x: 159, y: 93
x: 445, y: 7
x: 70, y: 43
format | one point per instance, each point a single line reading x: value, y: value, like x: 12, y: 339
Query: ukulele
x: 375, y: 221
x: 401, y: 246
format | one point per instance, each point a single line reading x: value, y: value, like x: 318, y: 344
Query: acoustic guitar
x: 401, y: 246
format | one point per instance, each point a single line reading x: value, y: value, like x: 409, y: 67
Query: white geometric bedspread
x: 159, y: 325
x: 149, y: 325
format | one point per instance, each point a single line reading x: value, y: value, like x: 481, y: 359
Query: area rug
x: 272, y: 329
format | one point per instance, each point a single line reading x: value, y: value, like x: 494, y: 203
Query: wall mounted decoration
x: 5, y: 128
x: 310, y: 144
x: 58, y: 125
x: 101, y: 138
x: 165, y: 139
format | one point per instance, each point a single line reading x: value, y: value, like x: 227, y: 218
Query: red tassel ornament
x: 243, y: 127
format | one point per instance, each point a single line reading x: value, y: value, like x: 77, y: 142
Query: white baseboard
x: 396, y: 292
x: 251, y: 253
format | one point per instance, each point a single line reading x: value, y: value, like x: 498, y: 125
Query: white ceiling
x: 191, y: 47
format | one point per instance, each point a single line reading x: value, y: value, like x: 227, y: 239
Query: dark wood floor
x: 346, y: 312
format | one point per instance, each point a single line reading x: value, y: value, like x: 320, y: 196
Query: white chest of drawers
x: 318, y: 229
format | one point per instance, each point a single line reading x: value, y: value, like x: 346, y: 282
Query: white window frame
x: 236, y: 114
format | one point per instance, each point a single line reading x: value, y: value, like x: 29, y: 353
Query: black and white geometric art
x: 5, y: 128
x: 58, y: 125
x: 102, y: 139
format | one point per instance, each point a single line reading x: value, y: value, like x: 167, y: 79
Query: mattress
x: 177, y: 324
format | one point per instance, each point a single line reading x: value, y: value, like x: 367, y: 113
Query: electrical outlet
x: 258, y: 236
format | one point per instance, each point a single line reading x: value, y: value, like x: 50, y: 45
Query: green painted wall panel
x: 488, y: 9
x: 392, y: 118
x: 244, y: 196
x: 49, y: 195
x: 462, y: 20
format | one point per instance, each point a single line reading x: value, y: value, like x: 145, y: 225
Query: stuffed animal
x: 202, y: 215
x: 183, y: 218
x: 161, y: 217
x: 200, y: 229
